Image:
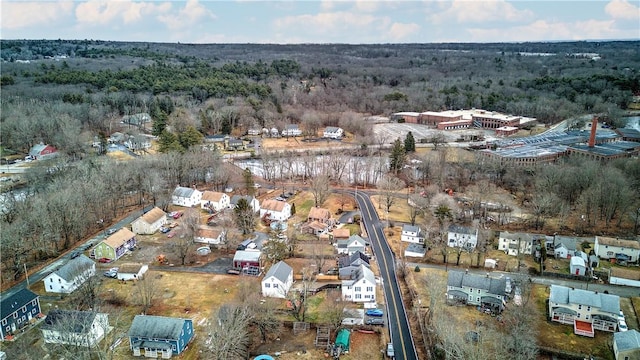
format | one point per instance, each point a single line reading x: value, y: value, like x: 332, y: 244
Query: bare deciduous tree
x: 320, y: 189
x: 389, y: 187
x: 147, y: 290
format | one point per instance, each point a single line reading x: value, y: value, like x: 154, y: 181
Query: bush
x: 417, y: 269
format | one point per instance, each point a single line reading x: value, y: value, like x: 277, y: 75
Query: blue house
x: 159, y: 336
x: 17, y: 311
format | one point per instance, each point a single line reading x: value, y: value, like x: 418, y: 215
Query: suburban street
x: 399, y: 329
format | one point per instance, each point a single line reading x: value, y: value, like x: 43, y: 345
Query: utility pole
x: 26, y: 274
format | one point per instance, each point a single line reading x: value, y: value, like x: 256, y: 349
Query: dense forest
x: 70, y: 93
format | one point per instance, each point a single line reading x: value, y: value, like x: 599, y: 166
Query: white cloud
x: 622, y: 9
x: 400, y: 31
x: 103, y: 12
x: 16, y: 15
x: 192, y: 12
x: 546, y: 31
x: 465, y: 12
x: 326, y: 21
x: 366, y: 5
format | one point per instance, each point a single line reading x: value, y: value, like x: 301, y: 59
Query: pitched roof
x: 492, y: 285
x: 74, y: 267
x: 319, y: 213
x: 120, y: 237
x: 577, y: 261
x: 410, y: 228
x: 236, y: 198
x: 183, y: 192
x: 519, y: 236
x: 365, y: 273
x: 273, y: 205
x: 348, y: 260
x: 156, y: 327
x: 461, y: 229
x: 16, y: 301
x: 633, y: 244
x: 281, y: 271
x: 605, y: 302
x: 331, y: 129
x: 78, y: 322
x: 213, y: 196
x: 356, y: 240
x: 130, y: 268
x: 153, y: 215
x: 341, y: 233
x: 247, y: 255
x: 208, y: 232
x: 627, y: 340
x: 625, y: 273
x: 317, y: 225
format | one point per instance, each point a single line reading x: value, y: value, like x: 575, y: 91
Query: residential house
x: 209, y: 235
x: 333, y: 132
x: 291, y: 130
x: 70, y: 275
x: 150, y: 222
x: 247, y: 261
x: 187, y: 197
x: 351, y: 245
x: 586, y: 310
x: 515, y: 244
x: 159, y: 336
x: 315, y: 228
x: 138, y: 119
x: 42, y: 152
x: 115, y: 245
x: 321, y: 215
x: 618, y: 249
x: 214, y: 201
x: 412, y: 234
x: 17, y: 311
x: 274, y: 133
x: 480, y: 290
x: 116, y: 138
x: 348, y: 265
x: 131, y: 272
x: 562, y: 247
x: 362, y: 288
x: 217, y: 140
x: 278, y: 280
x: 415, y: 250
x: 577, y: 266
x: 254, y: 131
x: 76, y: 328
x: 462, y: 237
x: 137, y: 142
x: 275, y: 210
x: 626, y: 345
x: 234, y: 144
x: 253, y: 202
x: 624, y: 276
x: 341, y: 234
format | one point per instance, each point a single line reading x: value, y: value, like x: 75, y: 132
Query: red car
x: 104, y: 260
x: 177, y: 214
x: 170, y: 235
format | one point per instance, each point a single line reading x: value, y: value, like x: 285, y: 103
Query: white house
x: 462, y: 237
x: 516, y: 243
x: 626, y: 345
x: 291, y: 130
x: 275, y: 210
x: 362, y: 288
x: 187, y: 197
x: 70, y: 276
x: 213, y: 200
x: 351, y: 245
x: 253, y: 202
x: 412, y: 234
x: 278, y: 280
x: 209, y: 235
x: 619, y: 249
x: 150, y: 222
x: 76, y: 328
x: 578, y: 266
x: 333, y: 132
x: 585, y: 310
x: 131, y: 271
x: 415, y: 250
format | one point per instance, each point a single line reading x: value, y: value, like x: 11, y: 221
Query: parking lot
x: 392, y: 131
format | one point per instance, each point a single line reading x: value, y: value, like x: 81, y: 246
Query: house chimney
x: 594, y: 127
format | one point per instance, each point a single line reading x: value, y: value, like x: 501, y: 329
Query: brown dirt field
x: 119, y: 155
x: 297, y: 143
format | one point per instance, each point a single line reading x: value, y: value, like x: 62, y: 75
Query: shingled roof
x: 74, y: 267
x: 319, y: 213
x: 120, y: 237
x: 273, y: 205
x: 16, y: 301
x: 78, y: 322
x: 460, y: 279
x: 213, y: 196
x: 156, y: 327
x: 183, y: 192
x: 280, y: 271
x: 153, y: 215
x: 564, y: 295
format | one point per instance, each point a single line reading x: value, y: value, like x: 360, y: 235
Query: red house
x: 42, y: 152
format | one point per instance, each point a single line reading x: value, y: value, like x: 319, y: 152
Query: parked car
x: 280, y: 198
x: 622, y: 325
x: 170, y: 235
x: 173, y: 224
x: 104, y: 260
x: 621, y: 316
x: 177, y: 214
x: 111, y: 231
x: 111, y: 274
x: 374, y: 312
x: 390, y: 352
x: 75, y: 254
x: 164, y: 230
x: 375, y: 322
x: 508, y: 285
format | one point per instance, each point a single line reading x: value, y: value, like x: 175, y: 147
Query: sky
x: 304, y: 21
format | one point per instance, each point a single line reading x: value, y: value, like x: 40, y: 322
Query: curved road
x: 399, y: 329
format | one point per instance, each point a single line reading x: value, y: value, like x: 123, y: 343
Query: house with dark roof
x: 149, y: 222
x: 159, y: 336
x: 253, y: 202
x: 235, y: 144
x: 618, y: 249
x: 17, y: 311
x: 412, y: 234
x: 70, y: 276
x: 348, y: 265
x: 415, y: 250
x: 626, y: 345
x: 187, y: 197
x: 42, y: 152
x: 479, y: 290
x: 462, y: 237
x: 213, y: 200
x: 360, y: 288
x: 116, y: 245
x: 586, y: 310
x: 278, y: 280
x: 351, y: 245
x: 76, y: 328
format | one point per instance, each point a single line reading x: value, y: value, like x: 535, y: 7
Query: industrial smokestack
x: 594, y: 127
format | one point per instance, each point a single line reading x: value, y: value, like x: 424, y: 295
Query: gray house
x: 351, y: 245
x: 472, y: 289
x: 278, y: 280
x: 626, y: 345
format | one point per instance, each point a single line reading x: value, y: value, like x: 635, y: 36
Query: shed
x: 342, y: 339
x: 490, y: 263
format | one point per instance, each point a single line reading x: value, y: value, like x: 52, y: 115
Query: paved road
x: 399, y: 329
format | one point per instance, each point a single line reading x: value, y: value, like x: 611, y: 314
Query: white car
x: 621, y: 316
x: 622, y: 325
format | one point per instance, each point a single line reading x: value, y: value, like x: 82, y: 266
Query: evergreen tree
x: 409, y: 143
x: 244, y: 217
x: 293, y: 209
x: 159, y: 121
x: 190, y: 137
x: 397, y: 157
x: 168, y: 142
x: 248, y: 181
